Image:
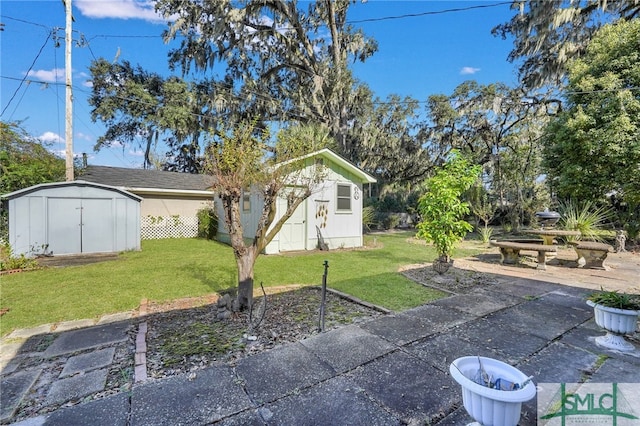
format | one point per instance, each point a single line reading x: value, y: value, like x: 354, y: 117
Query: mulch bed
x: 186, y: 340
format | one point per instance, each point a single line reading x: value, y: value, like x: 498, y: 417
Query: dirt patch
x: 75, y: 260
x: 181, y: 341
x: 454, y: 281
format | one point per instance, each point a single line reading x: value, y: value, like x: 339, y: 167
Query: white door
x: 97, y: 225
x: 80, y: 225
x: 64, y: 218
x: 292, y: 234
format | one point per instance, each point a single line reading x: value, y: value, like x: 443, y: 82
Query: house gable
x: 336, y: 164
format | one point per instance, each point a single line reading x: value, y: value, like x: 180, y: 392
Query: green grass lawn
x: 172, y: 269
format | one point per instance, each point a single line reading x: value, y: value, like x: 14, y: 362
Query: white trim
x: 160, y: 191
x: 339, y: 197
x: 364, y: 176
x: 80, y: 183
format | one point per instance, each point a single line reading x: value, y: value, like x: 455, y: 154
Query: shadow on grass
x: 218, y: 279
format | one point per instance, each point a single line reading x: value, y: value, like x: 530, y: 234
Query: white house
x: 332, y: 212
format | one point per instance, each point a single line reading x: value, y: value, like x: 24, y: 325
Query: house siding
x: 339, y: 229
x: 172, y: 206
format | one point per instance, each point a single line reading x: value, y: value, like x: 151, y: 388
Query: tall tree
x: 386, y: 135
x: 549, y: 33
x: 281, y: 62
x: 143, y: 108
x: 25, y: 161
x: 593, y: 147
x: 236, y: 159
x: 498, y: 127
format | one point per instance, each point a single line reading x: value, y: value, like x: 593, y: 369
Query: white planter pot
x: 491, y: 407
x: 616, y: 322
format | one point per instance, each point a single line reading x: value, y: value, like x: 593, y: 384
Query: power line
x: 268, y: 98
x: 357, y: 21
x: 434, y: 12
x: 27, y: 73
x: 25, y: 22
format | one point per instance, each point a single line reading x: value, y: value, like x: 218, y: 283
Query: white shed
x: 333, y: 212
x: 73, y: 218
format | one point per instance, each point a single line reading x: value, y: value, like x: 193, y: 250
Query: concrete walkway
x: 387, y: 371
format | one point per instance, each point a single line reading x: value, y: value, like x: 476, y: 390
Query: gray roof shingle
x: 141, y: 178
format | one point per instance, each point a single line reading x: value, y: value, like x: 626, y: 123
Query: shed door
x: 63, y: 225
x: 292, y: 233
x: 80, y: 225
x: 97, y: 225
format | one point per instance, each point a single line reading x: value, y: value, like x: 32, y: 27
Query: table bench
x: 591, y: 254
x: 549, y: 235
x: 510, y: 251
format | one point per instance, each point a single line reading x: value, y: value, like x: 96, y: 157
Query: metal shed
x: 73, y: 218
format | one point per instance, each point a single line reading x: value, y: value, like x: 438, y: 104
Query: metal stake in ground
x: 324, y: 295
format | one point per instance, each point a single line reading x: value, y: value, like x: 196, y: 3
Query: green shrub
x: 442, y: 209
x: 4, y: 223
x: 613, y: 299
x: 368, y: 217
x: 485, y: 234
x: 207, y: 223
x: 9, y: 262
x: 586, y: 218
x: 392, y: 222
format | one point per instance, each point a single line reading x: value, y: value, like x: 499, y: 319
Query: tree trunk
x: 245, y: 264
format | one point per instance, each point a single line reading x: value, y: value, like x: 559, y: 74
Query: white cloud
x: 87, y: 82
x: 119, y: 9
x: 83, y: 136
x: 49, y: 76
x: 469, y: 70
x: 51, y: 137
x: 136, y: 153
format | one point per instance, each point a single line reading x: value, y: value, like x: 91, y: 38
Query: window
x: 344, y: 197
x: 246, y: 200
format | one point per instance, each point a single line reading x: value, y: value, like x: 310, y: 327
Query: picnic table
x: 548, y: 235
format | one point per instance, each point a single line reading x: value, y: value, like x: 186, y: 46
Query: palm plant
x: 485, y: 234
x: 586, y: 218
x: 368, y: 217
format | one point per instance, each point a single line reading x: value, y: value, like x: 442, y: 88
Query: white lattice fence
x: 158, y: 227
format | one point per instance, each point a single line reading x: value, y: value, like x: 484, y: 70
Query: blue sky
x: 417, y: 56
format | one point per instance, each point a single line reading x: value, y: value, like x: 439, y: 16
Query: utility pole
x: 68, y: 135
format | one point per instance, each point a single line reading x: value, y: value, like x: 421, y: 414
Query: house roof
x: 157, y: 182
x: 148, y: 181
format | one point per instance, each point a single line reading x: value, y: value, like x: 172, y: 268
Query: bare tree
x: 236, y: 160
